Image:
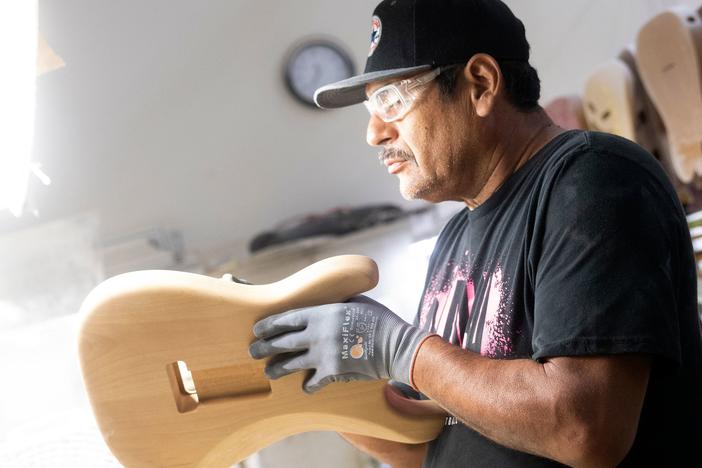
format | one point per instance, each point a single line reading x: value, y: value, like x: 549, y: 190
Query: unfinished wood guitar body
x: 165, y: 362
x: 609, y: 103
x: 650, y: 130
x: 669, y: 58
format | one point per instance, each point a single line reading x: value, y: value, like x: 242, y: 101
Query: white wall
x: 175, y: 113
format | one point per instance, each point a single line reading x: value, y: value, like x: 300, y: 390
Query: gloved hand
x: 357, y: 340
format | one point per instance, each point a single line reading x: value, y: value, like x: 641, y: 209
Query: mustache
x: 394, y: 153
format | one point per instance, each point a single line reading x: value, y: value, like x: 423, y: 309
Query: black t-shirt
x: 584, y: 250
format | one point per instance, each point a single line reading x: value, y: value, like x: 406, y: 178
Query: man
x: 558, y: 323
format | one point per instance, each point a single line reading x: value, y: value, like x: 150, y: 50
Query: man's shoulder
x: 577, y: 146
x: 593, y: 159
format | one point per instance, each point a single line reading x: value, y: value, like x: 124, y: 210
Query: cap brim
x: 353, y: 90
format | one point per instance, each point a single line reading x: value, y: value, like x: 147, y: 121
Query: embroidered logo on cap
x: 376, y: 32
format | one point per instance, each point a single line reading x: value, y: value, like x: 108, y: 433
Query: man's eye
x: 390, y: 101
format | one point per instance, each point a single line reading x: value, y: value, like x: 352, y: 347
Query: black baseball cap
x: 408, y: 36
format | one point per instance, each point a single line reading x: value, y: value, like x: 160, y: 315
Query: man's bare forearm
x: 579, y: 411
x: 396, y: 454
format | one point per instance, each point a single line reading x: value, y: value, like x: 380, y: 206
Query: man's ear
x: 485, y: 81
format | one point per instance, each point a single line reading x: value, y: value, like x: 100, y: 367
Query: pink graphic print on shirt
x: 469, y: 315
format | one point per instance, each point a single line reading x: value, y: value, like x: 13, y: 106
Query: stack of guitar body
x: 651, y: 94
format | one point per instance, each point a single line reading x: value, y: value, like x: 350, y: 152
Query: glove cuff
x: 414, y: 358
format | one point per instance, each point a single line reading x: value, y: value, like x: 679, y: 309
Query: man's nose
x: 380, y: 133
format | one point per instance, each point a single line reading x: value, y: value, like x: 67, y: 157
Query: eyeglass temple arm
x: 424, y: 79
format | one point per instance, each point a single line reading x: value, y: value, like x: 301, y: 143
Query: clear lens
x: 393, y: 101
x: 389, y: 103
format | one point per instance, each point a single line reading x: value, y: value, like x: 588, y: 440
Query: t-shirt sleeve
x: 606, y: 260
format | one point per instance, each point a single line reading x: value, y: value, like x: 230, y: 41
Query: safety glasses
x: 392, y: 102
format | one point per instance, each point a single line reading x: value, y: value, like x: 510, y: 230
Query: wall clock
x: 313, y: 64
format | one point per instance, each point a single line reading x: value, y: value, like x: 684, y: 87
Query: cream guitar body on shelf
x: 165, y: 363
x: 609, y: 104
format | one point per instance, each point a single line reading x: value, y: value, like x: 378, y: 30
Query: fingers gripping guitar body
x: 357, y: 340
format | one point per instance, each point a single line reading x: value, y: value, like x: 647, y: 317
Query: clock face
x: 315, y: 64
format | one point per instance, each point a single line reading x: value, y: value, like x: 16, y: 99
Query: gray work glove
x: 357, y: 340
